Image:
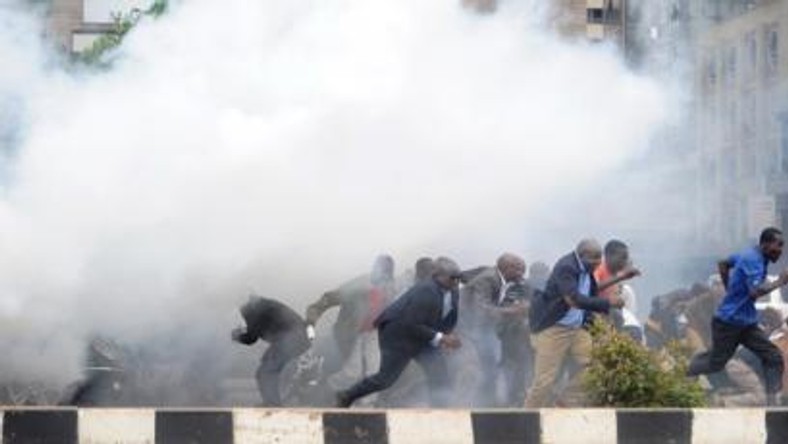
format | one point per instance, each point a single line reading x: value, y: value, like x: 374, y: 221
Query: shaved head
x: 511, y: 267
x: 588, y: 246
x: 446, y: 272
x: 590, y: 253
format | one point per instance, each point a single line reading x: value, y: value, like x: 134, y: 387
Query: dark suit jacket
x: 550, y: 306
x: 411, y: 322
x: 269, y: 320
x: 481, y: 292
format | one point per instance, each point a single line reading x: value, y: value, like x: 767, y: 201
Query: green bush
x: 624, y: 373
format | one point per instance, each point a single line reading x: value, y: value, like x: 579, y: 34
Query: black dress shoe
x: 342, y: 400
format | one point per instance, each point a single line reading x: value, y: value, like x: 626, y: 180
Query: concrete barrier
x: 405, y: 426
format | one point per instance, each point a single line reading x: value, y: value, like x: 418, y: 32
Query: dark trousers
x: 516, y: 362
x: 281, y: 351
x: 486, y: 346
x: 726, y: 338
x: 393, y: 361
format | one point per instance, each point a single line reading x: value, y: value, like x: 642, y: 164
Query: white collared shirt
x: 446, y: 303
x: 504, y: 286
x: 435, y: 342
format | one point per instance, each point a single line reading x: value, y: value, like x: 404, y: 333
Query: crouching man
x: 284, y: 330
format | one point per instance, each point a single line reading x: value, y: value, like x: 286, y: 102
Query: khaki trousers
x: 552, y: 347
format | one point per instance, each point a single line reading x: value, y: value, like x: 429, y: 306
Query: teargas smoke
x: 280, y: 146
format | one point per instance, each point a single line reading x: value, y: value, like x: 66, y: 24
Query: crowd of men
x: 513, y: 338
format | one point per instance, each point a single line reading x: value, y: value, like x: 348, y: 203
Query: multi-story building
x: 660, y: 36
x: 75, y: 24
x: 741, y: 84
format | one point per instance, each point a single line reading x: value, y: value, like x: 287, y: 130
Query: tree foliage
x: 122, y: 23
x: 623, y: 373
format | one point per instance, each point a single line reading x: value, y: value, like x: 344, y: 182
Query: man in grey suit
x: 360, y: 301
x: 490, y: 318
x: 417, y: 326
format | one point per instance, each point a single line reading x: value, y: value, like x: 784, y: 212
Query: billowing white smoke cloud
x: 281, y: 145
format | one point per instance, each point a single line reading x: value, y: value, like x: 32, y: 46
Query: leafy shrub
x: 623, y: 373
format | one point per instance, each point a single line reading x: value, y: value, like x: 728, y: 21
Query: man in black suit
x: 417, y: 326
x: 284, y: 330
x: 558, y: 318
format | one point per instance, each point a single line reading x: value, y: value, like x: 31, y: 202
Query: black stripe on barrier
x: 40, y: 427
x: 776, y: 426
x: 194, y: 427
x: 355, y: 428
x: 506, y: 427
x: 654, y: 426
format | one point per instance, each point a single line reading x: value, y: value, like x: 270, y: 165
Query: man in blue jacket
x: 736, y: 320
x: 418, y: 325
x: 558, y: 317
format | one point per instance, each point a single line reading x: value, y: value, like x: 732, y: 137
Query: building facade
x: 741, y: 85
x: 76, y: 24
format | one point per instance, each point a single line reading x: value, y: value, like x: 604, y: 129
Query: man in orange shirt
x: 615, y: 269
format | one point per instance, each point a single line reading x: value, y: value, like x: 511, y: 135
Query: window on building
x: 769, y: 162
x: 768, y: 102
x: 784, y: 145
x: 595, y: 15
x: 730, y: 67
x: 749, y: 114
x: 783, y: 223
x: 606, y: 13
x: 728, y: 172
x: 771, y: 56
x: 751, y: 55
x: 781, y: 201
x: 748, y: 161
x: 730, y: 219
x: 733, y: 118
x: 729, y: 121
x: 711, y: 71
x: 711, y: 117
